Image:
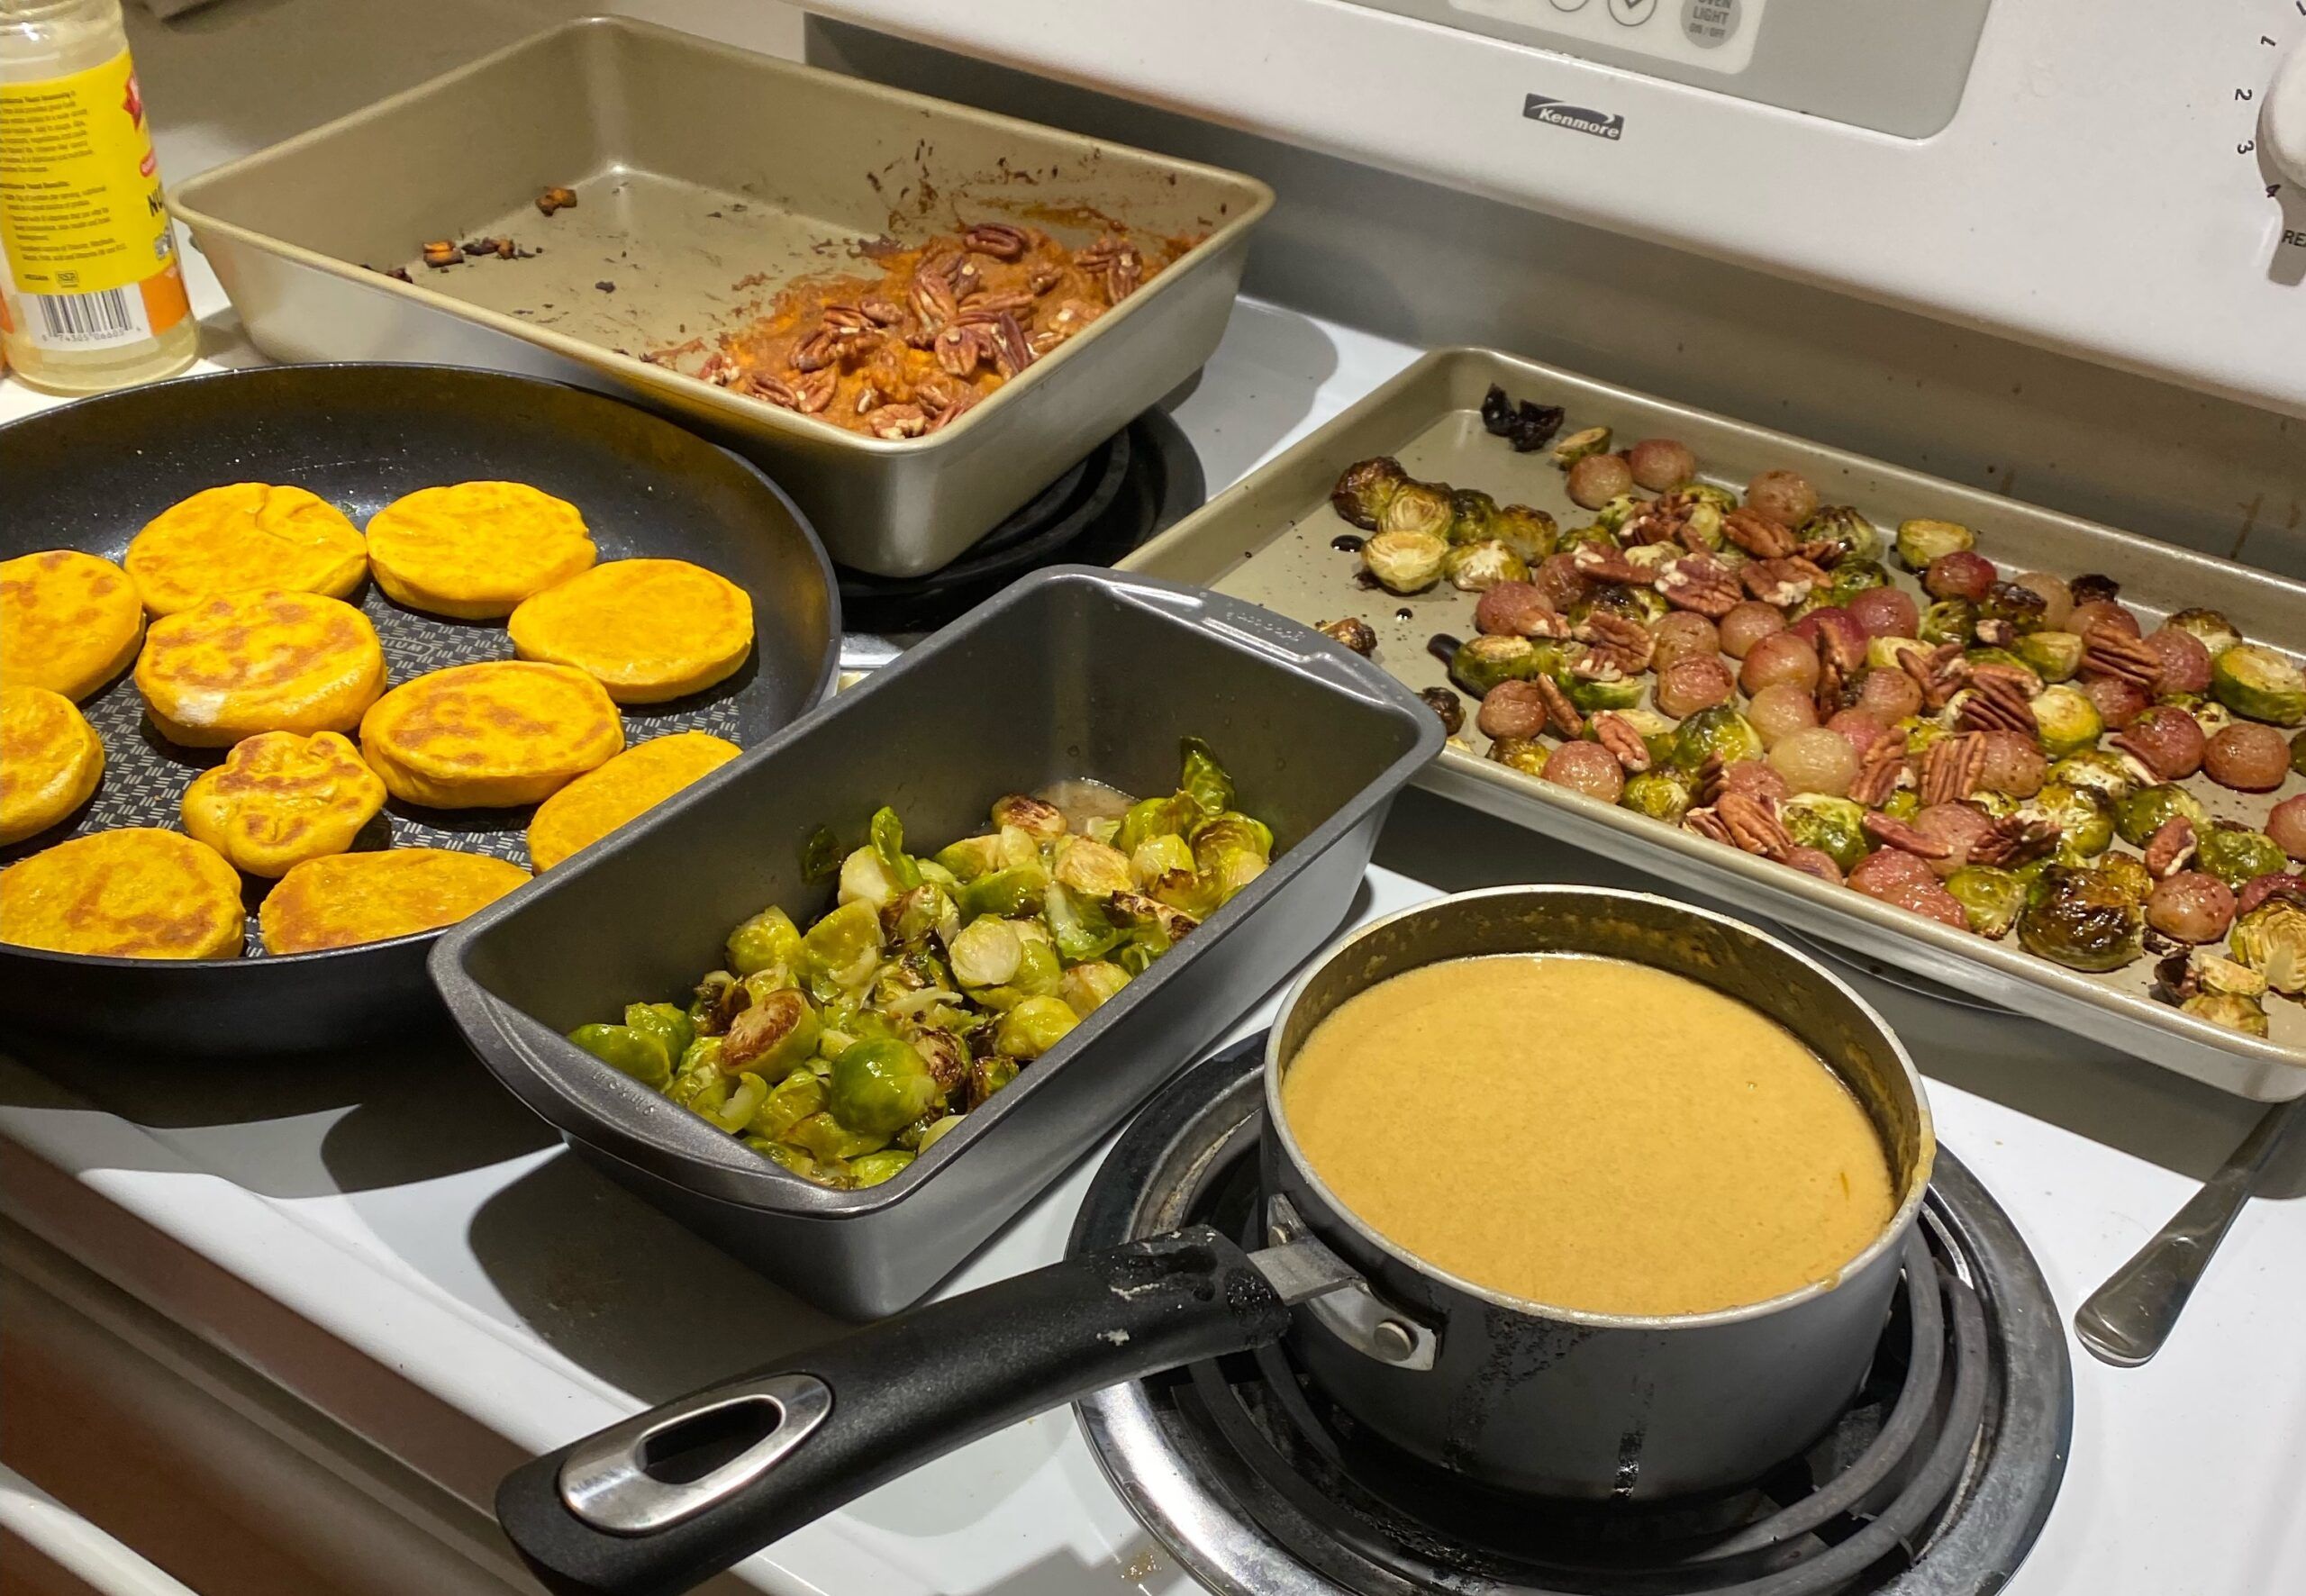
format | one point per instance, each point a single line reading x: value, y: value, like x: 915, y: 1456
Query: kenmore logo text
x: 1577, y: 118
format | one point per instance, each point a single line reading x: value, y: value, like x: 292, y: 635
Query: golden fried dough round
x: 648, y: 629
x: 138, y: 892
x: 637, y: 780
x: 69, y: 621
x: 280, y: 798
x: 475, y: 549
x: 50, y: 759
x: 247, y: 534
x: 348, y: 898
x: 490, y: 735
x: 239, y: 662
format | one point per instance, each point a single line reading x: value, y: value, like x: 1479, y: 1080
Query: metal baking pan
x: 1072, y: 672
x: 708, y: 176
x: 1268, y: 540
x: 88, y: 476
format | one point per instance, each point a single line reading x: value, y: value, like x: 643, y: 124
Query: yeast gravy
x: 1588, y: 1133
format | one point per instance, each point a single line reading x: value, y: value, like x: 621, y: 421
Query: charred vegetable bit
x: 845, y: 1051
x: 2007, y: 751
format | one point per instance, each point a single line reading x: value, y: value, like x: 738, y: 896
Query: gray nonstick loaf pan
x: 1071, y: 673
x: 706, y: 178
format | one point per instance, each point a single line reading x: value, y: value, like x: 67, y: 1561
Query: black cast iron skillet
x: 1509, y: 1394
x: 88, y: 476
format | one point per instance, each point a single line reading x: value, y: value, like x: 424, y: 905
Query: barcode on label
x: 104, y: 317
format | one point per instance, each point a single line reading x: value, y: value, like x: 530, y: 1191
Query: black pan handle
x: 663, y: 1502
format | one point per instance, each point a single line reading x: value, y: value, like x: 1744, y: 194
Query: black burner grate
x: 1935, y: 1481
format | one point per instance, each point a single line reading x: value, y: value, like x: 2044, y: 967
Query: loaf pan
x: 1073, y: 672
x: 1269, y: 540
x: 706, y: 177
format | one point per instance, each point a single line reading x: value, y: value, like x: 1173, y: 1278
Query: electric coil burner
x: 1935, y: 1482
x: 1134, y: 486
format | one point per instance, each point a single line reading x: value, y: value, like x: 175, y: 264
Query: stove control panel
x: 1893, y: 66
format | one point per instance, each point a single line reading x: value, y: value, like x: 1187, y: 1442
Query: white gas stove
x: 400, y: 1286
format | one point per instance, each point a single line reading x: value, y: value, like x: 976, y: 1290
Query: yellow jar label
x: 83, y: 226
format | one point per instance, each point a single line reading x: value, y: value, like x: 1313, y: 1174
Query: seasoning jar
x: 92, y: 292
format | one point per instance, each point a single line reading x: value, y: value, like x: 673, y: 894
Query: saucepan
x: 1511, y: 1395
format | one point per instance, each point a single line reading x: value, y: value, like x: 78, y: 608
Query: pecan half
x: 1758, y: 535
x: 932, y: 299
x: 2015, y: 840
x: 1614, y: 733
x: 882, y: 313
x: 1563, y: 713
x: 950, y: 408
x: 1821, y: 551
x: 850, y: 320
x: 1117, y: 261
x: 1897, y: 834
x: 1781, y: 581
x: 1011, y: 353
x: 987, y: 303
x: 775, y: 390
x: 1698, y: 582
x: 813, y: 392
x: 817, y: 351
x: 996, y: 239
x: 1042, y: 278
x: 2107, y: 650
x: 2028, y: 685
x: 2169, y: 846
x: 1597, y: 563
x: 1708, y: 825
x: 1938, y: 672
x: 897, y: 421
x: 1614, y: 641
x: 1753, y: 825
x: 1712, y: 779
x: 959, y: 349
x: 1996, y: 703
x: 1660, y: 520
x: 1828, y: 695
x: 1882, y: 772
x: 1951, y: 766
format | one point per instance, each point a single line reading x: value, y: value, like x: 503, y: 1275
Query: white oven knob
x: 2283, y: 120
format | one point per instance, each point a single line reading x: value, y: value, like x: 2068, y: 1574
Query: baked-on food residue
x: 1506, y: 1120
x: 903, y: 351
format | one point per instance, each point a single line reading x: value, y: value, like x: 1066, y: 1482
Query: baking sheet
x: 1269, y: 540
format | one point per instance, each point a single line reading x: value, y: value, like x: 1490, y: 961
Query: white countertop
x: 394, y: 1240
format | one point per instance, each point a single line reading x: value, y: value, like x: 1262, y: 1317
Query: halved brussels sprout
x: 1718, y: 731
x: 2230, y: 1010
x: 1203, y: 779
x: 1922, y: 539
x: 1590, y: 441
x: 878, y: 1087
x: 1039, y: 818
x: 1856, y: 535
x: 1620, y: 510
x: 2235, y: 855
x: 2068, y: 719
x: 2126, y: 873
x: 791, y: 1101
x: 1992, y: 898
x: 1422, y: 509
x: 2210, y: 627
x: 1473, y: 514
x: 1010, y: 892
x: 939, y: 1129
x: 2085, y: 920
x: 1887, y: 653
x: 773, y: 1036
x: 826, y: 1139
x: 1158, y: 858
x: 1660, y: 795
x: 2142, y: 812
x: 1088, y: 987
x: 1479, y: 566
x: 1091, y: 869
x: 986, y: 952
x: 1155, y: 816
x: 874, y: 1168
x: 1365, y: 489
x: 1950, y: 621
x: 1034, y: 1026
x: 668, y: 1022
x: 2019, y: 609
x: 1836, y: 827
x: 841, y: 951
x: 2084, y: 818
x: 1078, y: 925
x: 2259, y: 685
x: 1482, y: 662
x: 2053, y: 656
x: 1593, y: 697
x: 2270, y: 939
x: 2098, y: 770
x: 640, y: 1053
x: 1405, y: 561
x: 1530, y: 533
x: 770, y: 940
x: 1524, y: 754
x: 1850, y: 578
x: 929, y: 910
x: 971, y: 856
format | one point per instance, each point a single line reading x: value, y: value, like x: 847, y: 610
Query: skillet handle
x: 661, y: 1502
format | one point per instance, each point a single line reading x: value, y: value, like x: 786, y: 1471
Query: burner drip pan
x: 1934, y: 1484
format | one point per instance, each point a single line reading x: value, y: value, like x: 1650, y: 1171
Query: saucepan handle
x: 665, y: 1500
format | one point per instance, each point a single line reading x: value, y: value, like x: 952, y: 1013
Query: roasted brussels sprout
x: 1365, y: 489
x: 1718, y: 733
x: 2298, y: 753
x: 2208, y: 628
x: 2098, y: 770
x: 1589, y: 440
x: 1530, y: 534
x: 1992, y: 898
x: 1592, y: 697
x: 1662, y: 795
x: 1950, y: 621
x: 2235, y: 855
x: 873, y: 1168
x: 2084, y: 818
x: 1015, y: 891
x: 2084, y: 921
x: 802, y: 1093
x: 769, y: 1038
x: 1089, y: 869
x: 2143, y: 810
x: 1476, y: 568
x: 1352, y: 632
x: 1922, y: 539
x: 1152, y: 818
x: 876, y: 1088
x: 1860, y: 542
x: 986, y: 952
x: 2230, y: 1010
x: 668, y: 1022
x: 1848, y: 579
x: 1405, y: 561
x: 1473, y: 516
x: 1834, y: 826
x: 2068, y: 720
x: 1482, y: 662
x: 1524, y: 754
x: 1424, y: 508
x: 1034, y: 1026
x: 640, y: 1053
x: 770, y: 940
x: 2259, y: 685
x: 2270, y: 939
x: 2126, y: 873
x: 2016, y: 610
x: 2053, y: 656
x: 1088, y: 987
x: 1616, y: 511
